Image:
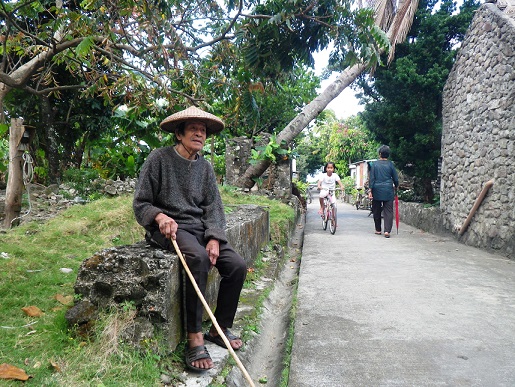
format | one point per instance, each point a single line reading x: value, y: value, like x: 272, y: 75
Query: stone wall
x: 151, y: 278
x: 429, y: 219
x: 478, y: 136
x: 277, y: 178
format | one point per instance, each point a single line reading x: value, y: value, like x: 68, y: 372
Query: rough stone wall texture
x: 152, y: 279
x: 276, y: 179
x: 478, y: 136
x: 428, y: 219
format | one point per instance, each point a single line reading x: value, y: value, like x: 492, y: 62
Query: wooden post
x: 14, y: 188
x: 476, y: 205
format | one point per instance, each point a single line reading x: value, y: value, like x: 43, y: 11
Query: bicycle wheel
x: 332, y: 224
x: 324, y: 217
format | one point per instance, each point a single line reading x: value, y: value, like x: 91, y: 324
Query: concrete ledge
x: 152, y: 279
x: 429, y: 219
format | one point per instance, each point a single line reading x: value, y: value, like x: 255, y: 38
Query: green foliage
x: 214, y: 151
x: 301, y: 185
x: 82, y: 180
x: 255, y: 73
x: 350, y: 185
x: 41, y: 166
x: 4, y: 147
x: 349, y: 141
x: 270, y: 151
x: 338, y: 141
x: 404, y: 102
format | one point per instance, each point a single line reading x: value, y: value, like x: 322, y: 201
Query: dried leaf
x: 8, y: 371
x: 55, y: 366
x: 65, y: 300
x: 32, y: 311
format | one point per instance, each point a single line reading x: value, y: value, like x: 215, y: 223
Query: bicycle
x: 362, y: 201
x: 308, y: 195
x: 329, y: 215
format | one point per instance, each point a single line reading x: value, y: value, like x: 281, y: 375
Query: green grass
x: 30, y: 275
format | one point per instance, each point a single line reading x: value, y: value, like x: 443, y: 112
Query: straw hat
x: 213, y: 123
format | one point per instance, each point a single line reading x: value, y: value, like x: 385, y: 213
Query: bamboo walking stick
x: 211, y: 315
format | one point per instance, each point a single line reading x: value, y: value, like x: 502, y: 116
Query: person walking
x: 383, y: 182
x: 177, y: 197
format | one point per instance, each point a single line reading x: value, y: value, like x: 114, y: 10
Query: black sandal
x: 219, y: 341
x: 194, y: 354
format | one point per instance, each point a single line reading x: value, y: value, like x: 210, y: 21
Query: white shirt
x: 329, y: 182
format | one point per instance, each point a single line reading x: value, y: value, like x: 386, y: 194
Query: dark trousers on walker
x: 230, y: 265
x: 386, y: 208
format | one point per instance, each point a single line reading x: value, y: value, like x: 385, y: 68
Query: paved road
x: 413, y: 310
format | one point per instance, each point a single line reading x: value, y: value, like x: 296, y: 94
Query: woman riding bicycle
x: 327, y: 183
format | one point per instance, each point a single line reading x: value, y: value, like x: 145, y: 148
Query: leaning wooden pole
x: 14, y: 190
x: 211, y: 315
x: 476, y: 205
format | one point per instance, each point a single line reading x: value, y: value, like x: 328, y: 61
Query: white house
x: 359, y: 172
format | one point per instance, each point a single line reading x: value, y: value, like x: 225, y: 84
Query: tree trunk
x: 428, y: 190
x: 14, y: 189
x: 52, y: 152
x: 308, y: 114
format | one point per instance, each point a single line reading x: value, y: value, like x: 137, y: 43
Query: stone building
x: 478, y: 135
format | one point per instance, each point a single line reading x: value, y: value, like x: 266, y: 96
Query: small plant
x: 82, y: 180
x: 271, y: 152
x: 408, y: 196
x: 350, y: 185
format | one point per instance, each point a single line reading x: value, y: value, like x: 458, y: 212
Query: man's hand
x: 167, y: 226
x: 213, y: 250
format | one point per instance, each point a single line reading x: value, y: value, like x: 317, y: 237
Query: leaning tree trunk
x: 309, y: 113
x: 397, y: 27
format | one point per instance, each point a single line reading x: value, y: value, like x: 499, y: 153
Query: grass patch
x: 33, y: 272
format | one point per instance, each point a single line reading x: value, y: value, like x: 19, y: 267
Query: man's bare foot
x: 203, y: 362
x: 213, y: 336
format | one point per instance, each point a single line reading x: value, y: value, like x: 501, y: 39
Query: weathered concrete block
x: 152, y: 278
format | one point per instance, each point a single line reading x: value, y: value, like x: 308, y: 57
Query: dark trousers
x: 230, y: 265
x: 386, y: 207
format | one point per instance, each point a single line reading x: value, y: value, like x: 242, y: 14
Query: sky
x: 346, y: 104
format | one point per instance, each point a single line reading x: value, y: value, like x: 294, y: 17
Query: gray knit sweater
x: 185, y: 190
